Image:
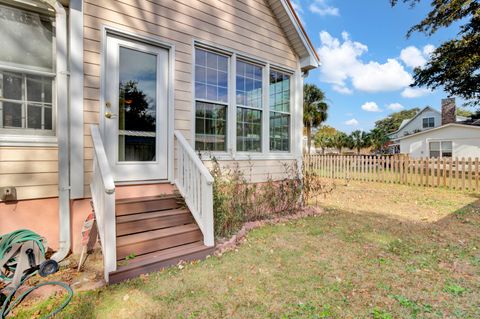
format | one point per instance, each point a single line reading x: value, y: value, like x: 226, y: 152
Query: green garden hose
x: 16, y: 237
x: 8, y: 305
x: 6, y: 242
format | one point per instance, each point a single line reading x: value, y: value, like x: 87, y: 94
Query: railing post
x: 207, y: 212
x: 110, y: 244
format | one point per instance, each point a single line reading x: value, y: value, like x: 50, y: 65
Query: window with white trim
x: 249, y: 97
x: 279, y: 111
x: 256, y: 113
x: 441, y: 149
x: 26, y: 72
x: 428, y: 122
x: 211, y: 100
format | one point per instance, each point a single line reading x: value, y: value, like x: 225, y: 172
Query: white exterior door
x: 135, y: 125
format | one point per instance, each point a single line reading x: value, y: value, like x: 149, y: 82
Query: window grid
x: 211, y: 100
x: 441, y: 149
x: 254, y: 130
x: 428, y: 122
x: 279, y: 99
x: 249, y: 98
x: 23, y: 107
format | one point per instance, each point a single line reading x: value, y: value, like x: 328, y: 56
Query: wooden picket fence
x: 452, y: 173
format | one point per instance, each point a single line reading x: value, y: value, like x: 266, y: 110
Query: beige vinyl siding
x: 244, y: 26
x: 32, y: 170
x: 259, y: 170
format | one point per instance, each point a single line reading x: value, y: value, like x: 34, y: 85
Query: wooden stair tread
x: 155, y: 234
x: 157, y: 260
x: 162, y: 255
x: 149, y: 215
x: 146, y: 199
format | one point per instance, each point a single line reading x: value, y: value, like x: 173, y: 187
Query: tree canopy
x: 454, y: 65
x: 391, y: 123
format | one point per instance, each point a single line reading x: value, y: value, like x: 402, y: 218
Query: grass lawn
x: 379, y: 251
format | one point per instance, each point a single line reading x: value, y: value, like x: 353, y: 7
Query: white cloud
x: 352, y: 122
x: 341, y: 65
x: 375, y: 77
x: 342, y: 89
x: 411, y: 93
x: 428, y: 50
x: 371, y: 107
x: 395, y: 106
x: 413, y: 57
x: 321, y: 7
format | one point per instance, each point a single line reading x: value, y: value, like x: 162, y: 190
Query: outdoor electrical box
x: 8, y: 194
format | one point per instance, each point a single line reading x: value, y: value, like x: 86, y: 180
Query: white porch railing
x: 103, y: 197
x: 195, y: 183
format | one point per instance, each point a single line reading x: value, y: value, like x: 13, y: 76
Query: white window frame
x: 226, y: 104
x: 262, y: 109
x: 289, y: 113
x: 231, y: 153
x: 25, y: 136
x: 440, y: 146
x: 428, y: 119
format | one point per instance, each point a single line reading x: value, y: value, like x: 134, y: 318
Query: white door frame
x: 154, y: 41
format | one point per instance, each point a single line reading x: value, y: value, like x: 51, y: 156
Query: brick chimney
x: 448, y: 111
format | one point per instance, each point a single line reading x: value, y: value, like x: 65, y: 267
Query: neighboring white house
x: 426, y: 119
x: 450, y: 140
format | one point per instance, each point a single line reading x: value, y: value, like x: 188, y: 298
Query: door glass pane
x: 137, y: 106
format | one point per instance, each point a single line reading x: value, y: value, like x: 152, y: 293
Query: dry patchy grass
x: 379, y: 251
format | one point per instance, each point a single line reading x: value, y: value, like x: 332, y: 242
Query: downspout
x: 62, y: 130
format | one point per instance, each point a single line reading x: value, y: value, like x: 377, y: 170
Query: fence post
x: 469, y: 174
x: 463, y: 173
x: 476, y: 174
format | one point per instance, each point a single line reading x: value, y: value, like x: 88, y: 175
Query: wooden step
x: 160, y: 259
x: 154, y: 240
x: 128, y: 206
x: 136, y: 223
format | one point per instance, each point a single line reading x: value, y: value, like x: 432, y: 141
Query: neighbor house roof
x: 440, y: 128
x: 296, y: 34
x: 405, y: 122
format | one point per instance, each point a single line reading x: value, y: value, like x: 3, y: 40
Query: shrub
x: 236, y: 201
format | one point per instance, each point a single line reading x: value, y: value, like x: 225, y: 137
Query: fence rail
x: 452, y: 173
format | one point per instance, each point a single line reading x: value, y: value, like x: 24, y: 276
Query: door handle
x: 110, y: 115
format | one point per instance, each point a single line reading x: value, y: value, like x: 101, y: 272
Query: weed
x: 381, y: 314
x: 453, y: 289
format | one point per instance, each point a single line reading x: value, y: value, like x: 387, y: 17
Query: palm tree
x: 360, y: 139
x: 314, y: 110
x: 339, y: 141
x: 378, y: 139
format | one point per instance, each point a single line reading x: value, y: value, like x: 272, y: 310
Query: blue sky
x: 367, y: 61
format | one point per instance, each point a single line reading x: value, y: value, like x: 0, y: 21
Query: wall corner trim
x: 76, y: 100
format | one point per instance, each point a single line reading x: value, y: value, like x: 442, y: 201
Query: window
x: 26, y: 98
x: 249, y: 107
x: 428, y: 122
x: 441, y: 149
x: 211, y: 100
x: 279, y: 111
x: 232, y: 95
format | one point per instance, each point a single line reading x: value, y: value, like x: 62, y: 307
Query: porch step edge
x: 158, y: 260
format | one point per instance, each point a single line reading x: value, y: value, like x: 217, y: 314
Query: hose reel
x: 22, y: 255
